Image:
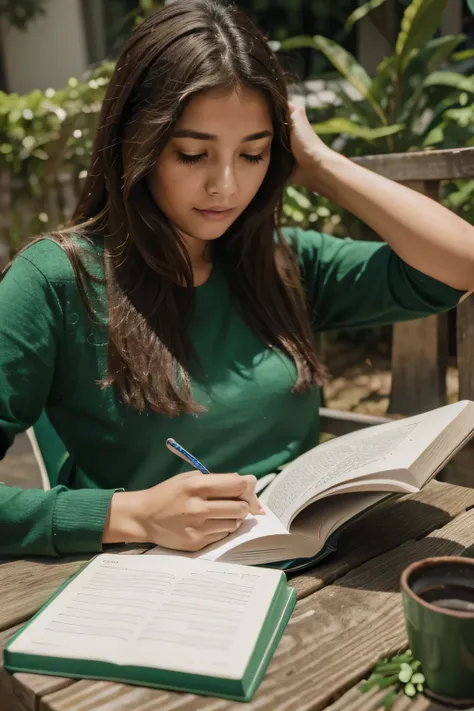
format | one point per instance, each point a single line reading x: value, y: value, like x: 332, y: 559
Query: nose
x: 222, y: 181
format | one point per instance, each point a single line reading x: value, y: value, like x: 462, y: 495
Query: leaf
x: 463, y: 54
x: 405, y: 674
x: 421, y: 66
x: 345, y: 63
x: 361, y: 12
x: 470, y: 4
x: 353, y: 129
x: 410, y: 690
x: 389, y: 699
x: 438, y: 50
x: 451, y: 80
x: 421, y: 20
x: 383, y: 79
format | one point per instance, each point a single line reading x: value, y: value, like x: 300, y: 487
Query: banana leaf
x: 382, y: 83
x: 346, y: 64
x: 424, y: 64
x: 463, y: 54
x: 353, y: 129
x: 361, y: 12
x: 451, y: 80
x: 421, y: 20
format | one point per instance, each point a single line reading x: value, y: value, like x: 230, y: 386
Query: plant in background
x: 412, y: 102
x: 19, y: 13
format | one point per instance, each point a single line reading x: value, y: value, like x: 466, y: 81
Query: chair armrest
x: 338, y: 422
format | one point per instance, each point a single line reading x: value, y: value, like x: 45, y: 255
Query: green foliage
x: 45, y: 140
x: 361, y: 12
x: 20, y: 12
x: 412, y: 102
x: 418, y: 98
x: 399, y: 675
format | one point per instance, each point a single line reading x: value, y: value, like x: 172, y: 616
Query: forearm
x: 421, y: 231
x: 52, y: 523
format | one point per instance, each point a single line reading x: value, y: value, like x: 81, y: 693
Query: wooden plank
x: 408, y: 518
x: 354, y: 700
x: 465, y: 347
x: 23, y: 690
x: 419, y: 365
x: 420, y: 349
x: 461, y: 469
x: 26, y: 688
x: 386, y: 527
x: 338, y: 422
x: 325, y: 650
x: 422, y: 165
x: 27, y: 584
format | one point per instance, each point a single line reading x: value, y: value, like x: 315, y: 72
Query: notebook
x: 166, y: 622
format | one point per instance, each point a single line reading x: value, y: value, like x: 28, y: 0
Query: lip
x: 215, y: 213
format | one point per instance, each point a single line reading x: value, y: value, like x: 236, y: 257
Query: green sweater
x: 52, y: 355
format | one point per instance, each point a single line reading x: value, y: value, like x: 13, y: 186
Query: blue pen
x: 177, y: 449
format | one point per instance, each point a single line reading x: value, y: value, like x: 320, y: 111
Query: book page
x: 166, y: 612
x: 334, y: 462
x: 253, y: 528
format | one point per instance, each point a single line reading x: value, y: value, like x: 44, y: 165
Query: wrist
x: 327, y: 172
x: 123, y: 523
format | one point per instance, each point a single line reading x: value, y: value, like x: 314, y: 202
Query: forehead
x: 223, y: 112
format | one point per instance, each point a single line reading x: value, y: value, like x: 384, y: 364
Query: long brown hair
x: 187, y: 47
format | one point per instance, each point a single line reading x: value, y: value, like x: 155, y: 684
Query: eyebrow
x: 187, y: 133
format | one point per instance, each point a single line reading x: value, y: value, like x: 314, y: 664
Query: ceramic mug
x: 438, y: 600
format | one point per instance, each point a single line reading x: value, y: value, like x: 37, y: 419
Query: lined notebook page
x: 152, y: 611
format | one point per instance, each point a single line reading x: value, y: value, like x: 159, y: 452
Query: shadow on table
x: 373, y: 552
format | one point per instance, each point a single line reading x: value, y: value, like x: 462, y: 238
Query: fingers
x: 250, y: 496
x: 218, y: 486
x: 225, y: 487
x: 219, y: 525
x: 227, y: 509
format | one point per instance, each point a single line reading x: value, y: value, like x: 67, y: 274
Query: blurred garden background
x: 376, y: 77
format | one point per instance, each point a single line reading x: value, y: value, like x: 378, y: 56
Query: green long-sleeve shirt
x: 52, y: 356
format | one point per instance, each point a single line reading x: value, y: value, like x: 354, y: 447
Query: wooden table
x: 348, y: 615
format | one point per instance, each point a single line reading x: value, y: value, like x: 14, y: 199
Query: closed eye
x: 192, y: 159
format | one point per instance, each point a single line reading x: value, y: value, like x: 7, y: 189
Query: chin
x: 206, y: 235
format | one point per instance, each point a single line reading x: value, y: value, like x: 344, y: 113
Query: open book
x: 167, y: 622
x: 322, y: 491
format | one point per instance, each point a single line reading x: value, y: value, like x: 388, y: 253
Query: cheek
x: 171, y: 184
x: 253, y: 182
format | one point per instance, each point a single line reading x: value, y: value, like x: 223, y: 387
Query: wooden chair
x: 50, y: 452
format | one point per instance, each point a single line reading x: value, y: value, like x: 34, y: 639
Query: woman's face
x: 215, y: 162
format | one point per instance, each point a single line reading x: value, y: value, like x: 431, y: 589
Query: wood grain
x: 27, y: 584
x: 428, y: 165
x: 419, y: 365
x: 354, y: 700
x: 325, y: 651
x: 410, y: 517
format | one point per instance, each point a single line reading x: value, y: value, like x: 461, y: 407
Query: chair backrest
x: 49, y: 450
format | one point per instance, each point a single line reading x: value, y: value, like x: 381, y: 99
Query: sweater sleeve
x: 34, y: 522
x: 355, y: 284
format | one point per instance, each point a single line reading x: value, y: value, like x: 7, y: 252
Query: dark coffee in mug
x: 438, y: 599
x: 449, y: 597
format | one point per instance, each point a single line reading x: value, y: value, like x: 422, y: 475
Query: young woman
x: 175, y: 306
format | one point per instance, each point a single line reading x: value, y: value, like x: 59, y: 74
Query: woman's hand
x: 186, y: 513
x: 308, y: 149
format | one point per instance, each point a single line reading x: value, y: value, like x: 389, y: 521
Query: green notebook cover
x: 242, y: 689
